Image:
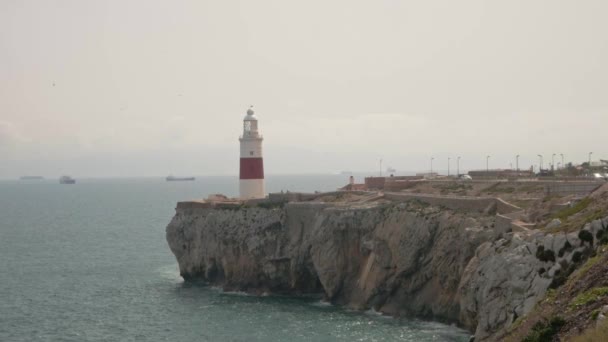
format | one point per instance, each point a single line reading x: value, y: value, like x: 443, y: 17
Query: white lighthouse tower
x: 252, y: 165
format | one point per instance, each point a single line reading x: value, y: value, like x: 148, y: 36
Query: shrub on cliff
x: 566, y: 248
x: 539, y: 252
x: 544, y: 332
x: 586, y: 236
x: 577, y: 256
x: 561, y: 276
x: 545, y: 255
x: 549, y: 255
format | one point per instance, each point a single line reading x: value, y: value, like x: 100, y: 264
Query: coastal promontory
x: 473, y: 261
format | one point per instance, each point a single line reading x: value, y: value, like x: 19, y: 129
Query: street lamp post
x: 553, y: 162
x: 541, y: 163
x: 562, y: 155
x: 590, y: 153
x: 380, y: 167
x: 449, y: 166
x: 458, y: 167
x: 517, y: 162
x: 487, y: 166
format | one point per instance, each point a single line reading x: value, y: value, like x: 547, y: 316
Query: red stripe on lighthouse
x: 252, y: 168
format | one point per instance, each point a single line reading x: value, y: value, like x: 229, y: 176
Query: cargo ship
x: 173, y: 178
x: 67, y: 180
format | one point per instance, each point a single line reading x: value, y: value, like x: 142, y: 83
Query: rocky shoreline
x: 398, y: 257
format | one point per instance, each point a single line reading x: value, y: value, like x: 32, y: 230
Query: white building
x: 251, y: 176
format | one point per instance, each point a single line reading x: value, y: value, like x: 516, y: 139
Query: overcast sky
x: 151, y: 87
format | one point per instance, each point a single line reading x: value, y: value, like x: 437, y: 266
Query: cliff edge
x: 404, y: 257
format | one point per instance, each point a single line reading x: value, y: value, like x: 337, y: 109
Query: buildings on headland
x: 251, y: 172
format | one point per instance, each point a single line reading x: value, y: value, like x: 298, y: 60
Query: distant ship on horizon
x: 67, y: 180
x: 31, y: 177
x: 173, y: 178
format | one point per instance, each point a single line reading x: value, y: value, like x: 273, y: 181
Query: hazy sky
x: 150, y: 87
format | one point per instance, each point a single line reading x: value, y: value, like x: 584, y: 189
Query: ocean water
x: 89, y: 262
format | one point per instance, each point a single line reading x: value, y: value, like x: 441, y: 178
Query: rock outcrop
x: 405, y: 258
x: 506, y: 278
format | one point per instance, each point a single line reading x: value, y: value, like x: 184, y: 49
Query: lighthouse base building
x: 251, y: 175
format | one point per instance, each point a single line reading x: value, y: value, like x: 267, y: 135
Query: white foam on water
x: 170, y: 272
x: 373, y: 312
x: 238, y: 293
x: 322, y: 303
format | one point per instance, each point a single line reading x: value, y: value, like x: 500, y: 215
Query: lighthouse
x: 251, y: 177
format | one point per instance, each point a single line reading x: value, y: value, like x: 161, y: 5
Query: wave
x: 322, y: 303
x: 170, y: 272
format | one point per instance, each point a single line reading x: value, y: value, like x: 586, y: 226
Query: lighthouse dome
x: 250, y: 115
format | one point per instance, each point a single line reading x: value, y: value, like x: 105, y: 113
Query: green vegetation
x: 551, y: 294
x: 531, y: 188
x: 566, y: 248
x: 597, y: 334
x: 545, y: 255
x: 577, y: 256
x: 419, y: 203
x: 517, y: 323
x: 561, y: 276
x: 586, y: 236
x: 596, y: 215
x: 581, y: 205
x: 543, y: 331
x: 459, y: 188
x: 599, y: 234
x: 589, y: 296
x: 497, y: 188
x: 550, y: 198
x: 585, y: 268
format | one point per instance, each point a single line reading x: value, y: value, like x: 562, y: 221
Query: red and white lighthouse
x: 252, y: 164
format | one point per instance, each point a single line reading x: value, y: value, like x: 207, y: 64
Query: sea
x: 89, y: 262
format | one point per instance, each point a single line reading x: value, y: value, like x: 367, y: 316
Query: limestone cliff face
x: 397, y: 258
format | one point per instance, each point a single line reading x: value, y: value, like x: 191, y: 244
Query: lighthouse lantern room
x: 251, y: 180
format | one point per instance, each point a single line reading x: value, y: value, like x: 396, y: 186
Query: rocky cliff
x: 400, y: 258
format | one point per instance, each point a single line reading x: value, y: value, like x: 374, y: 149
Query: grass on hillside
x: 575, y: 217
x: 583, y: 270
x: 597, y: 334
x: 581, y: 205
x: 589, y: 296
x: 499, y: 188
